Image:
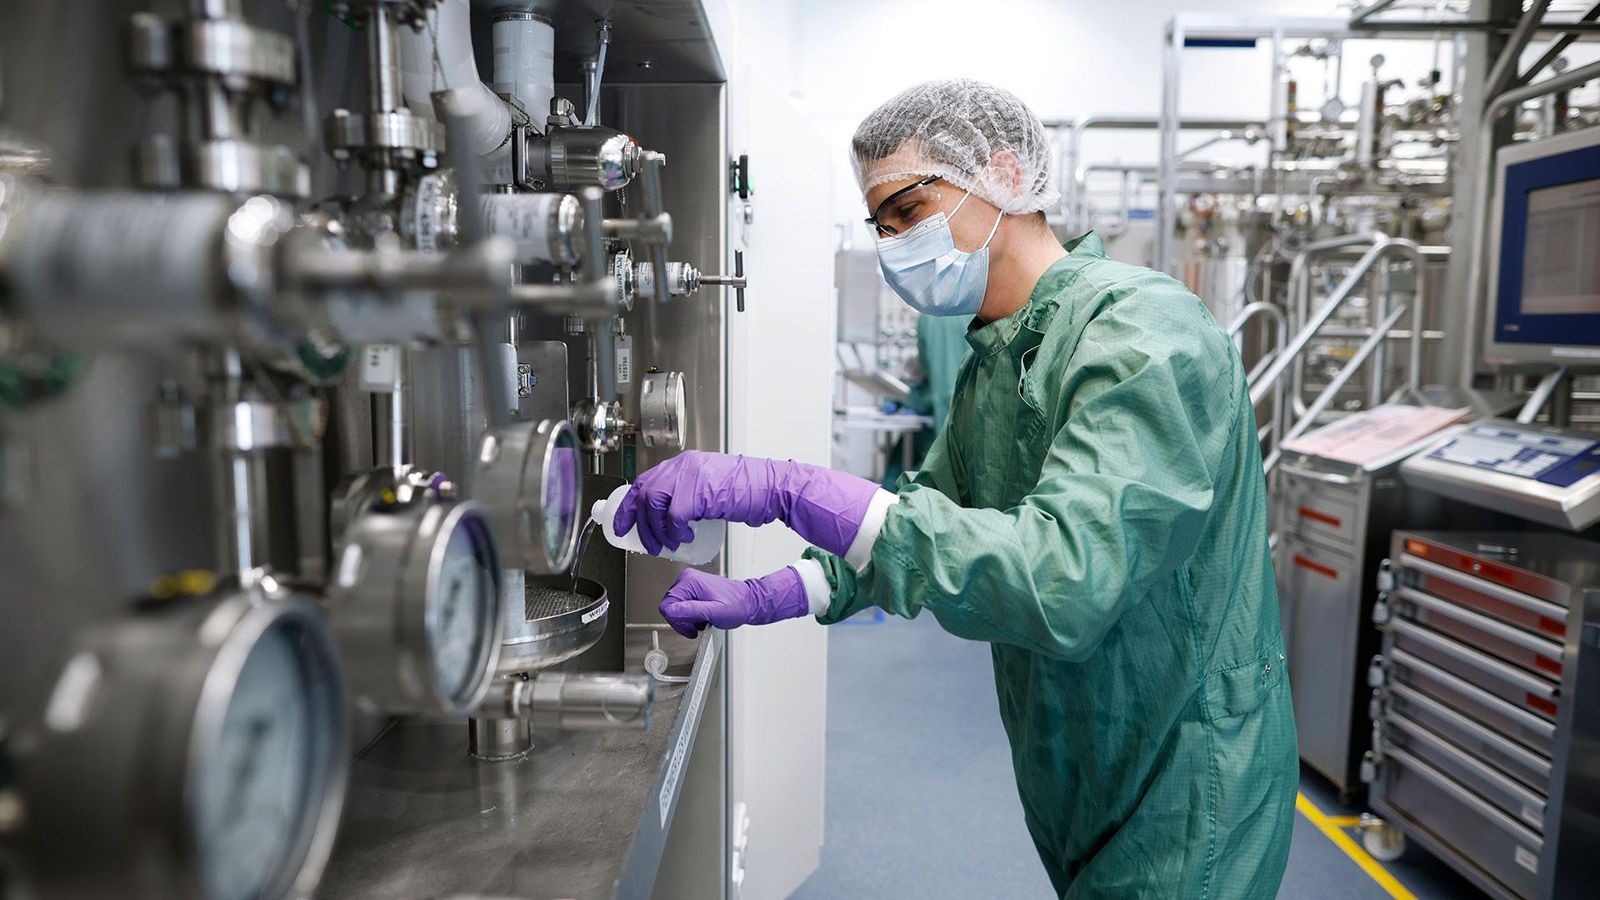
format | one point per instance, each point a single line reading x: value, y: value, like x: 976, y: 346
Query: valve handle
x: 737, y: 281
x: 738, y: 272
x: 653, y: 162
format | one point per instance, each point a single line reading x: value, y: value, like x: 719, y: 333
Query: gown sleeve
x: 1121, y: 502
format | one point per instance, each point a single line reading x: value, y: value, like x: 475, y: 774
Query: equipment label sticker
x: 624, y: 359
x: 1535, y: 816
x: 596, y: 613
x: 1528, y: 860
x: 690, y: 716
x: 380, y: 368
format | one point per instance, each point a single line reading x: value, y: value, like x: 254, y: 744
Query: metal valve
x: 683, y: 279
x: 600, y: 425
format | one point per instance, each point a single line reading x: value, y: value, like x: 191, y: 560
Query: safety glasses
x: 904, y: 208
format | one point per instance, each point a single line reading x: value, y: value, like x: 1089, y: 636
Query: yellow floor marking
x: 1351, y: 849
x: 1343, y: 821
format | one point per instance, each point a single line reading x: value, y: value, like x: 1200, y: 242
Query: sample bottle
x: 709, y: 534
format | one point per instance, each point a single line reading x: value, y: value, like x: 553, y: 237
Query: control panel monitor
x: 1544, y: 276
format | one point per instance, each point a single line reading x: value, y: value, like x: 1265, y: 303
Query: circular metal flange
x: 251, y: 425
x: 622, y: 272
x: 151, y: 269
x: 663, y: 410
x: 397, y: 131
x: 241, y: 167
x: 528, y: 476
x: 196, y: 749
x: 415, y: 602
x: 412, y: 13
x: 233, y: 49
x: 229, y: 49
x: 547, y: 228
x: 563, y: 616
x: 683, y: 279
x: 428, y: 212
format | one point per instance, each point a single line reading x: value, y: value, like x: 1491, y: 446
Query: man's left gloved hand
x: 696, y: 600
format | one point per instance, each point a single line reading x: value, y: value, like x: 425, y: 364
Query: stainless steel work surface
x: 584, y: 815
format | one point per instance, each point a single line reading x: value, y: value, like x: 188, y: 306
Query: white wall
x: 780, y: 381
x: 839, y: 59
x: 1064, y: 59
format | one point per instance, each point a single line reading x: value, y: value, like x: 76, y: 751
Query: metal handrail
x: 1381, y: 250
x: 1366, y: 350
x: 1072, y: 153
x: 1299, y: 287
x: 1272, y: 380
x: 1300, y: 292
x: 1280, y: 326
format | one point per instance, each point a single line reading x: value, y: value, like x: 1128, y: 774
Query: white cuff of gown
x: 818, y: 595
x: 860, y: 552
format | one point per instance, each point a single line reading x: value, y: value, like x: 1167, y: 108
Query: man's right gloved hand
x: 823, y: 506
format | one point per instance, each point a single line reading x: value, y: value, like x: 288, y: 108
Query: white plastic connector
x: 656, y: 662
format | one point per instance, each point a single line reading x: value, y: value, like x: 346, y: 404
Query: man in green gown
x: 1094, y: 509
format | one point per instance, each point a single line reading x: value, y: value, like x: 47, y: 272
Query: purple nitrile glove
x: 823, y: 506
x: 696, y: 600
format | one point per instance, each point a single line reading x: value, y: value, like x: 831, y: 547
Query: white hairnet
x: 954, y: 128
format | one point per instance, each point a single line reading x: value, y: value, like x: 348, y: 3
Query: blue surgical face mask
x: 929, y: 273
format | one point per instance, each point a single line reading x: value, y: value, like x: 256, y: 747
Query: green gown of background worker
x: 941, y: 345
x: 1096, y: 510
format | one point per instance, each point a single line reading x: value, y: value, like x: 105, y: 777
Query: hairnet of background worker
x: 1094, y: 508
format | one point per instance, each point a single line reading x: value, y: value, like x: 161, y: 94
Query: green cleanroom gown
x: 1095, y: 509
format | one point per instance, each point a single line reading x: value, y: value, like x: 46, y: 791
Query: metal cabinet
x: 1332, y: 525
x: 1484, y: 706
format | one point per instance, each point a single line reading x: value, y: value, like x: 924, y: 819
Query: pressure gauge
x: 197, y: 749
x: 529, y: 478
x: 415, y: 603
x: 663, y: 410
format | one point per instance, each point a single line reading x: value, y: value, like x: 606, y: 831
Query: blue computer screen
x: 1549, y: 284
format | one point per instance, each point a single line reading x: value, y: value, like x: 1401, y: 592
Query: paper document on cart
x: 1379, y: 436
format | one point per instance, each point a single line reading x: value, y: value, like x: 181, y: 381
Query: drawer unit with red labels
x: 1486, y: 706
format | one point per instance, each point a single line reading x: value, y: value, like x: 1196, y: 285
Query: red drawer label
x: 1307, y: 512
x: 1313, y: 565
x: 1548, y: 707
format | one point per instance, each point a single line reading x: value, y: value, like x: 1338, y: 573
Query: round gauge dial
x: 663, y: 410
x: 415, y: 601
x: 530, y: 479
x: 562, y: 495
x: 252, y: 788
x: 462, y: 608
x: 197, y: 748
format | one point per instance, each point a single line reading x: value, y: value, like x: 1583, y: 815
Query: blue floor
x: 920, y: 798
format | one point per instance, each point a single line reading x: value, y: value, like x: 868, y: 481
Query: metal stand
x: 498, y: 740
